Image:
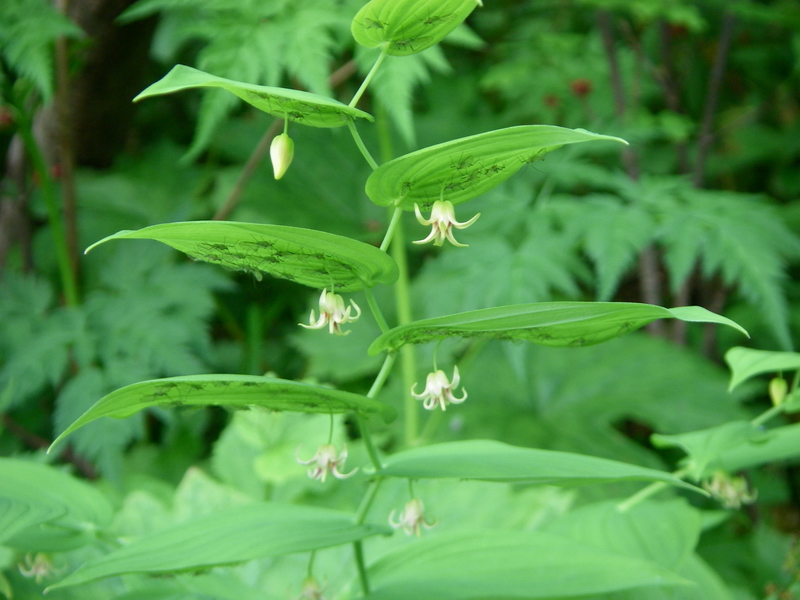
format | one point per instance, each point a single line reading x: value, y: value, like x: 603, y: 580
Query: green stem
x: 358, y: 550
x: 387, y: 239
x: 376, y: 310
x: 767, y: 415
x: 365, y: 434
x: 388, y: 363
x: 360, y: 143
x: 645, y: 493
x: 68, y: 280
x: 367, y: 79
x: 366, y: 501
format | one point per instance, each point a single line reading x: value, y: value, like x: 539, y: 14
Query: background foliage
x: 701, y: 209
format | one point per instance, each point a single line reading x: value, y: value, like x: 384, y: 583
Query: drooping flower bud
x: 281, y: 152
x: 777, y: 390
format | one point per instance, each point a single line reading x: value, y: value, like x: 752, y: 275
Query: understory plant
x: 384, y: 529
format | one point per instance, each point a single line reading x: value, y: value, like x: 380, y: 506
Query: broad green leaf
x: 705, y: 447
x: 664, y: 532
x: 235, y: 535
x: 294, y: 105
x: 506, y: 564
x: 43, y: 509
x: 548, y: 323
x: 746, y: 363
x: 780, y: 443
x: 313, y: 258
x: 231, y: 391
x: 463, y: 169
x: 403, y: 27
x: 487, y: 460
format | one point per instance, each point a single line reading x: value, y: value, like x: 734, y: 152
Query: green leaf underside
x: 228, y: 537
x: 488, y: 460
x: 313, y: 258
x: 406, y: 27
x: 294, y: 105
x: 746, y: 363
x: 506, y: 564
x: 232, y: 391
x: 465, y: 168
x: 44, y: 509
x: 557, y: 324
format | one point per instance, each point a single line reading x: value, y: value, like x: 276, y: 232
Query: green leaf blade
x: 746, y: 363
x: 487, y: 460
x: 462, y: 169
x: 233, y: 391
x: 227, y: 537
x: 505, y: 564
x: 557, y: 324
x: 314, y: 258
x: 405, y: 27
x: 295, y: 105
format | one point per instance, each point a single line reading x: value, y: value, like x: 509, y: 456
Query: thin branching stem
x: 358, y: 551
x: 767, y: 415
x: 376, y: 310
x: 645, y: 493
x: 367, y: 79
x: 387, y: 239
x: 366, y: 501
x: 360, y: 143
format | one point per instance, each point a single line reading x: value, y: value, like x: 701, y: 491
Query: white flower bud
x: 281, y: 152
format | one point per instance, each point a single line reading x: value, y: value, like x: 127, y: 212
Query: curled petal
x: 422, y: 220
x: 466, y: 224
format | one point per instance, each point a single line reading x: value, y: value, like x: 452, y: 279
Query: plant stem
x: 366, y: 501
x: 645, y: 493
x: 387, y: 239
x: 376, y: 310
x: 767, y: 415
x: 388, y: 363
x: 367, y: 79
x: 360, y: 143
x: 373, y: 391
x: 68, y: 279
x: 358, y: 550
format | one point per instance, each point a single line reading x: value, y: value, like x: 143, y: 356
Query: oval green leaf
x: 746, y: 363
x: 508, y: 564
x: 487, y: 460
x: 294, y: 105
x: 236, y: 535
x: 232, y: 391
x: 403, y: 27
x: 45, y: 510
x: 465, y: 168
x: 556, y: 324
x: 313, y: 258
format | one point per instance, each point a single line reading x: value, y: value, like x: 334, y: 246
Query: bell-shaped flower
x: 730, y: 491
x: 442, y: 221
x: 439, y: 390
x: 281, y: 152
x: 325, y: 461
x: 412, y: 519
x: 332, y: 313
x: 311, y: 589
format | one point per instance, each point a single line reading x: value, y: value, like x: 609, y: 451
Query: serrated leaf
x: 746, y: 363
x: 403, y: 27
x: 705, y: 447
x: 232, y: 391
x: 487, y: 460
x: 294, y: 105
x: 548, y: 323
x: 56, y: 511
x: 232, y: 536
x: 465, y: 168
x: 314, y: 258
x: 506, y: 564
